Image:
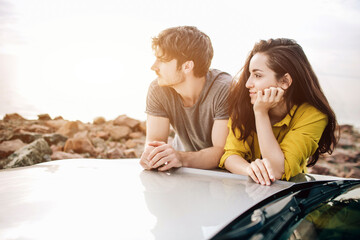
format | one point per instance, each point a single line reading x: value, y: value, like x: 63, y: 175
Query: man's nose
x: 154, y: 67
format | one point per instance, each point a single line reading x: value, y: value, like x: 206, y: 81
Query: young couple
x: 280, y: 120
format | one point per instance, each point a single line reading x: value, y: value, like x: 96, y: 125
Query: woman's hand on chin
x: 268, y: 99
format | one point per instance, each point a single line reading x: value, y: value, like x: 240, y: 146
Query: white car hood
x: 117, y: 199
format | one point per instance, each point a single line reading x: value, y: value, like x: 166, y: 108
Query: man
x: 190, y: 97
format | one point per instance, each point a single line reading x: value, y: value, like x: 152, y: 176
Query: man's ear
x: 286, y: 81
x: 188, y: 66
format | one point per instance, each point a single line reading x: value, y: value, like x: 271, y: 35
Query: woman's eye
x: 257, y: 75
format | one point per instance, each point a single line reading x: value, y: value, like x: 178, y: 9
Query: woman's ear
x: 286, y: 81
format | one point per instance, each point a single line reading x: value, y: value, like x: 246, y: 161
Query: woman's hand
x: 268, y: 99
x: 261, y: 172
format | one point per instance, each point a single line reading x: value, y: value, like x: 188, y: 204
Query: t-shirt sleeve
x: 154, y: 101
x: 302, y: 141
x: 234, y: 146
x: 221, y: 108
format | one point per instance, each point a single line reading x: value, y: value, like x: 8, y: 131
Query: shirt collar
x: 286, y: 120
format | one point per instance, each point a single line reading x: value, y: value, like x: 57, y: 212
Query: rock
x: 82, y: 134
x: 37, y: 128
x: 102, y: 134
x: 57, y: 148
x: 69, y: 129
x: 44, y: 117
x: 79, y: 145
x: 26, y: 137
x: 136, y: 135
x: 54, y: 138
x: 119, y: 132
x: 56, y: 124
x: 115, y: 153
x: 9, y: 147
x: 99, y: 120
x: 99, y: 143
x: 124, y: 120
x: 130, y: 144
x: 317, y: 169
x: 130, y: 153
x: 6, y: 134
x: 58, y: 155
x: 35, y: 152
x: 13, y: 117
x: 82, y: 126
x: 142, y: 127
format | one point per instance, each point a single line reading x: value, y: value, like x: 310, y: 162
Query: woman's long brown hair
x: 284, y: 56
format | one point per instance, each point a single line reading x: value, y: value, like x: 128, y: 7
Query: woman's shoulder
x: 308, y: 109
x: 307, y: 112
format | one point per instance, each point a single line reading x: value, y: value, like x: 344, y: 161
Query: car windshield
x: 335, y: 219
x: 289, y: 213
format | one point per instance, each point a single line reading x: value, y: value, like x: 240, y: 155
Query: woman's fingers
x: 261, y: 172
x: 269, y: 169
x: 258, y: 172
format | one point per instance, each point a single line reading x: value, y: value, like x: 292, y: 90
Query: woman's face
x: 261, y: 76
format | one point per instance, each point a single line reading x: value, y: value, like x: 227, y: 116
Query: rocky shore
x: 26, y: 142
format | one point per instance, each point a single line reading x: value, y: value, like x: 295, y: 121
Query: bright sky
x: 87, y: 58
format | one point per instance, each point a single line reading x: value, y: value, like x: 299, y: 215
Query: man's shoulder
x: 222, y: 78
x: 155, y: 87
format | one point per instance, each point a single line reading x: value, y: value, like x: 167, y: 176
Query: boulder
x: 124, y: 120
x: 9, y: 147
x: 130, y: 153
x: 54, y: 138
x: 119, y: 132
x: 130, y: 144
x: 142, y: 127
x: 99, y: 120
x: 44, y: 117
x: 115, y: 153
x: 35, y: 152
x: 79, y: 145
x: 68, y: 129
x: 13, y: 117
x: 56, y: 124
x: 102, y: 134
x: 37, y: 128
x: 136, y: 135
x: 26, y: 137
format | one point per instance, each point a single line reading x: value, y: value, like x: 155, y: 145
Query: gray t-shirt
x: 193, y: 125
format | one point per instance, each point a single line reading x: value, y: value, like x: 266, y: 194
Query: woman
x: 280, y: 119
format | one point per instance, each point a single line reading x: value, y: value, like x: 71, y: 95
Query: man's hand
x: 268, y: 99
x: 261, y: 172
x: 163, y: 156
x: 144, y: 157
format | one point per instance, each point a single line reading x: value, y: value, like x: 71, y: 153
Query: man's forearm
x: 207, y: 158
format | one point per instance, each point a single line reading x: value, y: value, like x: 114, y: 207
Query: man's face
x: 168, y: 73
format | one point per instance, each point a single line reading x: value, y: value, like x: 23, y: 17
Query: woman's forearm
x: 236, y: 164
x: 269, y: 147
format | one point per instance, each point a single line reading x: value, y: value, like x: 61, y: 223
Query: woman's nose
x: 249, y: 83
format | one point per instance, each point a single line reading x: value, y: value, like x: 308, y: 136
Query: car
x: 117, y: 199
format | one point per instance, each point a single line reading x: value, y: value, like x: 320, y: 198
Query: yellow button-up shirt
x: 298, y: 135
